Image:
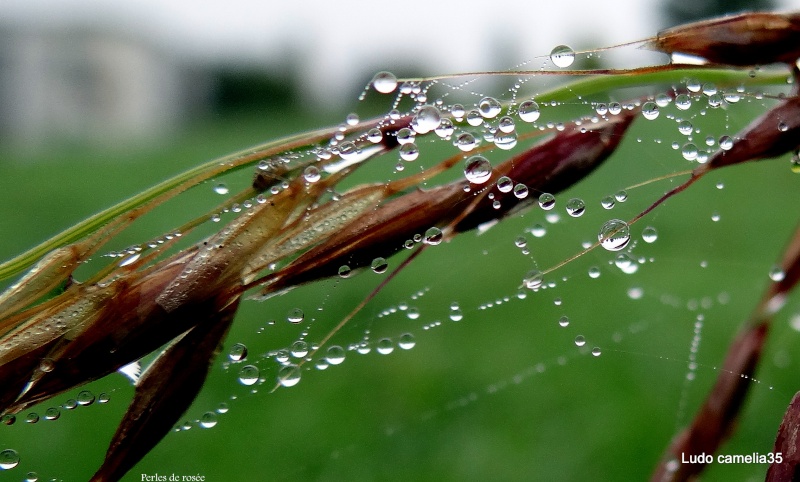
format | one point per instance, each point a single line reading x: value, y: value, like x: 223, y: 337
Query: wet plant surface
x: 571, y: 337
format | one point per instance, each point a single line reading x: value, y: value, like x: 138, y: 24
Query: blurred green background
x: 504, y: 393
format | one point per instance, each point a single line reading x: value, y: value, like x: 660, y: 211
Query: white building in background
x: 74, y: 84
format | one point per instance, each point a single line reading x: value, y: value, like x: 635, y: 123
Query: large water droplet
x: 385, y: 346
x: 614, y: 235
x: 533, y: 280
x: 9, y: 459
x: 650, y: 110
x: 295, y: 315
x: 576, y: 207
x: 409, y: 152
x: 311, y: 174
x: 299, y: 349
x: 529, y: 111
x: 248, y: 375
x: 238, y: 352
x: 406, y: 341
x: 208, y: 420
x: 335, y: 355
x: 384, y: 82
x: 649, y: 234
x: 52, y: 413
x: 562, y: 56
x: 478, y: 170
x: 433, y: 236
x: 427, y: 119
x: 563, y: 321
x: 379, y: 265
x: 289, y: 375
x: 547, y: 201
x: 489, y: 107
x: 465, y: 142
x: 776, y: 274
x: 580, y: 340
x: 221, y: 189
x: 85, y: 398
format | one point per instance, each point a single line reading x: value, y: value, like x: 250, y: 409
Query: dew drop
x: 8, y: 419
x: 580, y: 340
x: 506, y: 124
x: 335, y: 355
x: 344, y: 271
x: 384, y: 82
x: 433, y: 236
x: 466, y: 142
x: 311, y: 174
x: 351, y: 119
x: 650, y: 110
x: 520, y: 191
x: 52, y: 413
x: 455, y: 313
x: 409, y: 152
x: 9, y: 459
x: 529, y: 111
x: 103, y: 398
x: 607, y: 202
x: 478, y: 170
x: 489, y: 107
x: 576, y: 207
x: 596, y: 351
x: 248, y: 375
x: 626, y: 264
x: 614, y: 235
x: 715, y: 217
x: 725, y: 143
x: 505, y: 141
x: 562, y: 56
x: 385, y: 346
x: 689, y: 151
x: 299, y: 349
x: 547, y: 201
x: 533, y: 280
x: 32, y: 417
x: 208, y: 420
x: 594, y: 272
x: 538, y: 230
x: 683, y: 102
x: 289, y: 375
x: 776, y: 274
x: 85, y: 398
x: 47, y: 365
x: 379, y: 265
x: 374, y: 135
x: 406, y: 341
x: 458, y: 111
x: 649, y: 234
x: 685, y: 127
x: 295, y: 315
x: 504, y: 184
x: 783, y: 127
x: 563, y: 321
x: 238, y: 352
x: 31, y: 477
x: 474, y: 118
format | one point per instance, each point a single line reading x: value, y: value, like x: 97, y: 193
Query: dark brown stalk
x: 754, y: 38
x: 716, y: 418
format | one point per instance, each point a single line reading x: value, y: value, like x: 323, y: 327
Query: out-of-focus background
x: 123, y: 73
x: 100, y: 99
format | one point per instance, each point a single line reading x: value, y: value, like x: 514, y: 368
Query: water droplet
x: 650, y: 110
x: 529, y: 111
x: 458, y: 111
x: 504, y: 184
x: 626, y: 263
x: 385, y: 346
x: 311, y: 174
x: 474, y: 118
x: 520, y: 242
x: 412, y: 313
x: 52, y: 413
x: 335, y: 355
x: 433, y: 236
x: 406, y: 341
x: 614, y: 108
x: 295, y: 315
x: 351, y: 119
x: 576, y: 207
x: 9, y: 459
x: 221, y: 189
x: 533, y: 280
x: 455, y: 313
x: 562, y: 56
x: 489, y: 107
x: 238, y: 352
x: 685, y: 127
x: 374, y: 135
x: 607, y: 202
x: 538, y: 230
x: 427, y: 119
x: 594, y: 272
x: 103, y: 398
x: 466, y: 142
x: 32, y: 417
x: 683, y: 102
x: 547, y: 201
x: 506, y: 124
x: 70, y: 404
x: 715, y: 217
x: 649, y: 234
x: 563, y: 321
x: 580, y: 340
x: 783, y: 127
x: 505, y: 141
x: 85, y: 398
x: 384, y: 82
x: 776, y: 274
x: 725, y: 143
x: 689, y: 151
x: 46, y: 365
x: 31, y: 477
x: 614, y: 235
x: 379, y: 265
x: 478, y: 170
x: 520, y: 191
x: 248, y: 375
x: 299, y: 349
x: 289, y: 375
x: 596, y: 351
x: 8, y: 419
x: 344, y: 271
x: 409, y: 152
x: 208, y: 420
